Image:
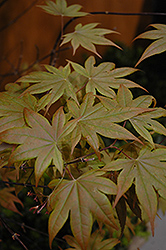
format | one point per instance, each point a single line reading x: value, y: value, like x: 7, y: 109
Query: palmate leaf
x: 39, y: 140
x: 86, y: 36
x: 96, y: 242
x: 149, y: 171
x: 156, y: 47
x: 7, y: 199
x: 55, y: 81
x: 11, y: 109
x: 142, y: 123
x: 82, y: 197
x: 97, y: 119
x: 104, y: 77
x: 60, y: 9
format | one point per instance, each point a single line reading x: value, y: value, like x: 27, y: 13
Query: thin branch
x: 14, y: 235
x: 23, y: 225
x: 22, y: 184
x: 127, y: 14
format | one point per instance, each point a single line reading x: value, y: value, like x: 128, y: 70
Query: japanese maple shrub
x: 89, y: 179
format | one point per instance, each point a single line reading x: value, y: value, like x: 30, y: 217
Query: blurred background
x: 28, y: 34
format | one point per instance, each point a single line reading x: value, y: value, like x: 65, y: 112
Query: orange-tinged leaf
x: 149, y: 171
x: 157, y: 46
x: 7, y: 199
x: 39, y: 140
x: 60, y: 9
x: 96, y: 242
x: 82, y: 197
x: 86, y: 36
x: 104, y: 77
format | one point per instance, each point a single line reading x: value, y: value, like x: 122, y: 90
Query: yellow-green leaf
x: 86, y: 36
x: 11, y: 109
x: 60, y: 9
x: 39, y: 140
x: 71, y: 196
x: 158, y: 46
x: 104, y: 77
x: 144, y: 121
x: 97, y: 119
x: 55, y: 81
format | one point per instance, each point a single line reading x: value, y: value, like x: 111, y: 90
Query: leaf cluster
x: 89, y: 180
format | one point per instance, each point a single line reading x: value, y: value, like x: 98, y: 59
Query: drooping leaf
x: 121, y: 211
x: 39, y: 140
x: 142, y: 123
x: 60, y: 9
x: 158, y: 46
x: 55, y: 81
x: 104, y: 77
x: 149, y: 171
x: 7, y: 199
x: 96, y: 242
x: 86, y: 36
x: 11, y: 109
x: 82, y: 197
x: 97, y: 119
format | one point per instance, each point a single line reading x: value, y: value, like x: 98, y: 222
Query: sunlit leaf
x: 149, y: 171
x: 60, y: 9
x: 82, y: 197
x: 86, y: 36
x: 158, y: 46
x: 39, y: 140
x: 7, y: 199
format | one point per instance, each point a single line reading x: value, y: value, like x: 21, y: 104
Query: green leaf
x: 149, y: 171
x: 86, y: 36
x: 97, y: 119
x: 89, y: 189
x: 11, y: 109
x: 7, y: 199
x: 39, y: 140
x: 60, y: 9
x: 55, y: 81
x: 96, y: 242
x: 156, y: 47
x: 104, y: 77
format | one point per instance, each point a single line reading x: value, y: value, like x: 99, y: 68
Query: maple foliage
x: 157, y: 46
x: 86, y: 36
x: 96, y: 242
x: 7, y: 199
x: 93, y: 159
x: 60, y: 9
x: 149, y: 165
x: 73, y: 195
